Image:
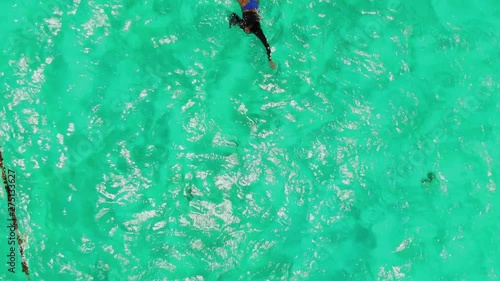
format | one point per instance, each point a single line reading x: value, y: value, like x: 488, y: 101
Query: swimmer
x: 251, y: 23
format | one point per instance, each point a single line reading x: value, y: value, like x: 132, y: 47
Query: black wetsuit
x: 251, y: 19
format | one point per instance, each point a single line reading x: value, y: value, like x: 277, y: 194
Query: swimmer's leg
x: 234, y: 19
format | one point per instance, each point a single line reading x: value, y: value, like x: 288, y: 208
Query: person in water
x: 251, y: 23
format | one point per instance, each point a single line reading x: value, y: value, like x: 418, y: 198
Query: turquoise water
x: 151, y: 142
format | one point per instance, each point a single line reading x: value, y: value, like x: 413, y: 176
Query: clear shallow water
x: 151, y: 142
